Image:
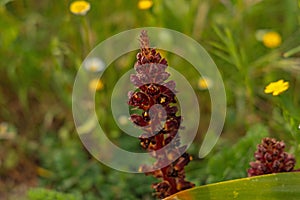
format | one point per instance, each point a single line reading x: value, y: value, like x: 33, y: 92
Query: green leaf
x: 271, y: 187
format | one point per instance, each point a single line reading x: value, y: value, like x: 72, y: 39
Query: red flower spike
x: 157, y: 103
x: 271, y: 158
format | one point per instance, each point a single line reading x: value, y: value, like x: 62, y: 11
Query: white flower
x: 94, y: 64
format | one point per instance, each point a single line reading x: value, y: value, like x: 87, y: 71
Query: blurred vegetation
x: 43, y: 194
x: 42, y: 45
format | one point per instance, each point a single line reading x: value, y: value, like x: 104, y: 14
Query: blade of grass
x: 218, y: 46
x: 291, y: 52
x: 223, y: 56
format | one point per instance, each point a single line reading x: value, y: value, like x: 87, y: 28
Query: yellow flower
x: 277, y: 87
x: 204, y: 83
x: 44, y: 172
x: 271, y: 39
x: 80, y: 7
x: 145, y: 4
x: 96, y: 84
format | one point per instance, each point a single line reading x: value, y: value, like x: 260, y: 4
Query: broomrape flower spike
x: 145, y: 4
x: 271, y: 39
x: 80, y: 7
x: 271, y: 158
x: 276, y: 88
x: 156, y: 100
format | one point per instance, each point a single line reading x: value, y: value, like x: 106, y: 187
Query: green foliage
x: 44, y: 194
x: 71, y: 170
x: 233, y: 161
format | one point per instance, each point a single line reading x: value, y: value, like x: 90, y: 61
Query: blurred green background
x: 42, y: 45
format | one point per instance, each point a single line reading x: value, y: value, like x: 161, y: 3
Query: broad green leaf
x: 270, y: 187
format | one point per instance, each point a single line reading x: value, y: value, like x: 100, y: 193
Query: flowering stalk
x: 82, y: 8
x: 271, y: 158
x: 154, y: 108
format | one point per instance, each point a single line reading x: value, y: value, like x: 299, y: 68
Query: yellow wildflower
x: 271, y: 39
x: 96, y: 84
x: 80, y: 7
x: 204, y: 83
x: 277, y: 88
x: 145, y: 4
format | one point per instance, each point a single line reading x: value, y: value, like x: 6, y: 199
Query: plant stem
x: 86, y: 35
